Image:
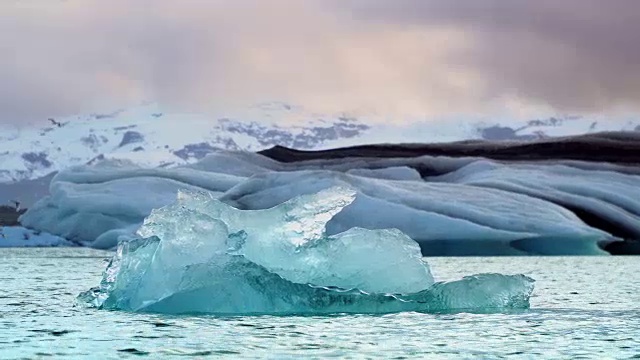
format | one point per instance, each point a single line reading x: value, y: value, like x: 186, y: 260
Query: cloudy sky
x: 429, y: 58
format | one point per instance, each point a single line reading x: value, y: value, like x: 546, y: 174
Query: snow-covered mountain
x: 151, y: 137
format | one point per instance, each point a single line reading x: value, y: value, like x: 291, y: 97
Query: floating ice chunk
x: 17, y: 236
x: 200, y: 255
x: 290, y: 240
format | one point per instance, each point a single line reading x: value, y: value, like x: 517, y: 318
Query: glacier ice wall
x: 97, y: 204
x: 432, y: 213
x: 200, y: 255
x: 450, y: 206
x: 611, y: 196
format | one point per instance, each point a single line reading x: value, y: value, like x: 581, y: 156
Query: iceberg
x: 200, y: 255
x: 451, y: 207
x: 18, y: 236
x: 607, y: 198
x: 444, y: 218
x: 97, y: 204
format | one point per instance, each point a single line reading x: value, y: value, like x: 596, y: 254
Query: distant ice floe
x: 450, y: 206
x: 17, y: 236
x: 200, y: 255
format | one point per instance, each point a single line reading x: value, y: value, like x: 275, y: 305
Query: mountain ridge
x: 151, y: 137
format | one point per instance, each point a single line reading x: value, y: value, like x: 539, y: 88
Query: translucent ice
x: 200, y: 255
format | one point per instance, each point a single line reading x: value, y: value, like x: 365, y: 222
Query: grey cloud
x: 72, y: 56
x: 575, y: 55
x: 78, y: 55
x: 425, y: 56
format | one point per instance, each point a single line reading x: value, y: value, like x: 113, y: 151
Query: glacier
x: 450, y: 206
x: 200, y: 255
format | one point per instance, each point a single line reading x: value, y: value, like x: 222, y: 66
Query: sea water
x: 582, y: 307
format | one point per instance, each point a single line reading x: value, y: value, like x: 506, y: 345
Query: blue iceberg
x: 200, y: 255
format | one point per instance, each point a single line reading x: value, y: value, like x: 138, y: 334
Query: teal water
x: 582, y: 307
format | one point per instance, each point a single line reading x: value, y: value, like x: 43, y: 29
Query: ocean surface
x: 582, y: 307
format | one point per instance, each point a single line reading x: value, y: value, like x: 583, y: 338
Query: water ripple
x: 583, y: 308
